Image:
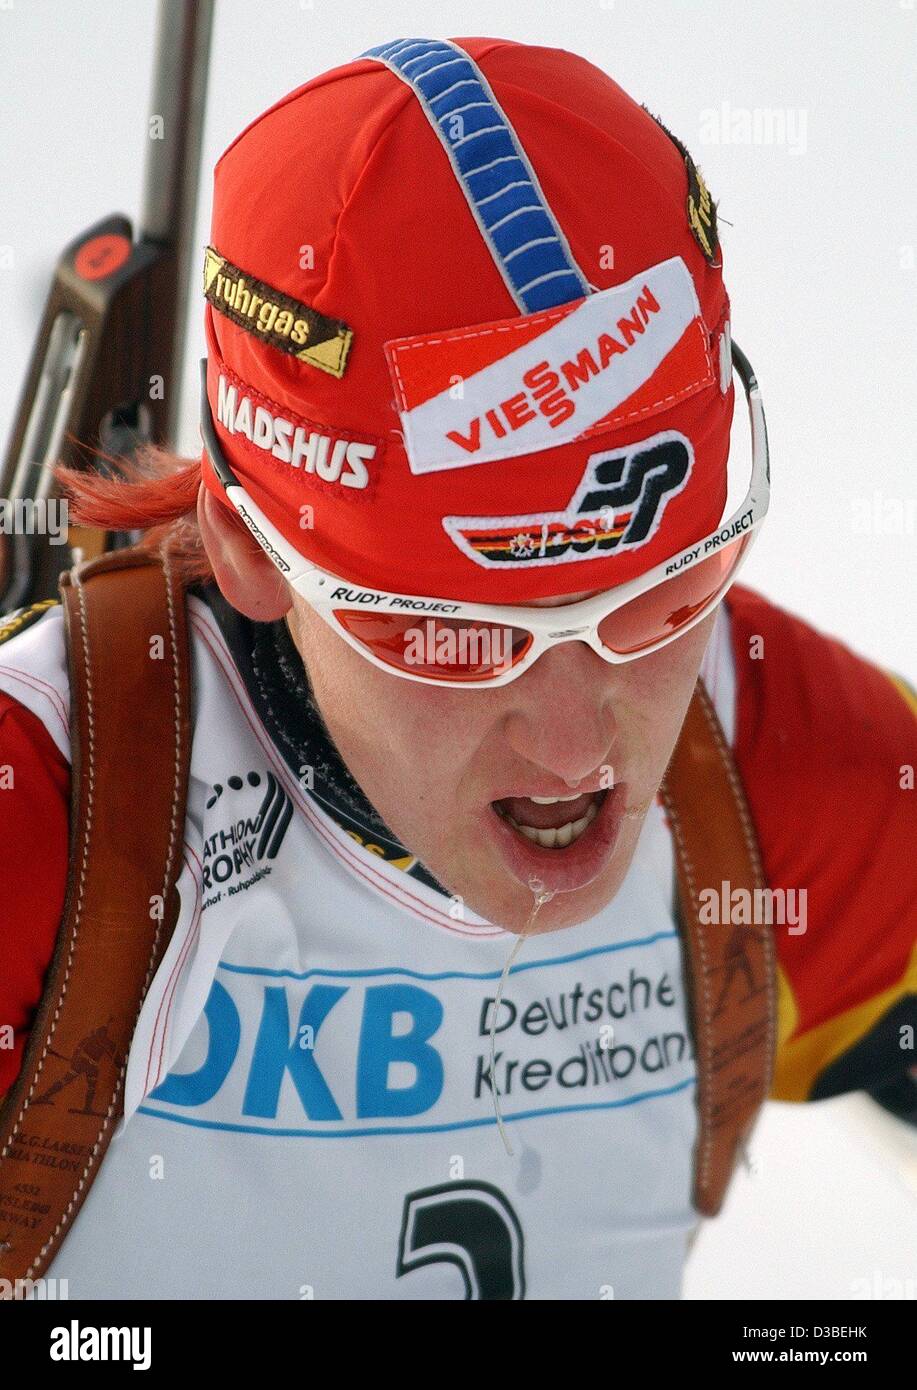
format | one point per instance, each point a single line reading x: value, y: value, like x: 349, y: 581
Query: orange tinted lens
x: 445, y: 649
x: 669, y: 606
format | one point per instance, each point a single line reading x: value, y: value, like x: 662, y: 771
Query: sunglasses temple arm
x: 291, y: 564
x: 760, y: 448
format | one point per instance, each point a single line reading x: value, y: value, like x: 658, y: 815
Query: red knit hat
x: 466, y: 325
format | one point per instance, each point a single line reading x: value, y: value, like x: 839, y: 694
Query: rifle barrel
x: 172, y: 171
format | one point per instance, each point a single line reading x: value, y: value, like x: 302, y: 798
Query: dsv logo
x: 231, y: 852
x: 619, y: 501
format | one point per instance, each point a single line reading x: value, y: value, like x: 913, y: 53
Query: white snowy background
x: 819, y: 231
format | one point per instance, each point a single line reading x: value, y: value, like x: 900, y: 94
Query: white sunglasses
x: 443, y: 642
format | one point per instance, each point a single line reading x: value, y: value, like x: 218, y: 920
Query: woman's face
x: 453, y: 772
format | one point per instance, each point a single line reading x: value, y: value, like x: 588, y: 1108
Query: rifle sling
x: 130, y: 728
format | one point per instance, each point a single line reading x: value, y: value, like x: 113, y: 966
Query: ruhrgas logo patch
x: 619, y: 501
x: 531, y: 383
x: 275, y: 317
x: 699, y: 206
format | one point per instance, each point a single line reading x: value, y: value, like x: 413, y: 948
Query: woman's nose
x: 560, y: 713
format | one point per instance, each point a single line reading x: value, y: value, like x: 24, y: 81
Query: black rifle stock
x: 106, y: 366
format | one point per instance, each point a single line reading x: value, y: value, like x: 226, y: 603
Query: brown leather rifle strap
x: 130, y: 729
x: 730, y: 964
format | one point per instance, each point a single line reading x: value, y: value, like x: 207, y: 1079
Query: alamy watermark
x: 883, y: 515
x: 79, y: 1342
x: 28, y: 516
x: 740, y: 907
x: 467, y: 647
x: 41, y: 1289
x: 782, y: 126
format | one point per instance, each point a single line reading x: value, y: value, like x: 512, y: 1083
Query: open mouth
x: 551, y: 822
x: 566, y: 842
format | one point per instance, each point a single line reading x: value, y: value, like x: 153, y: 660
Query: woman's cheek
x: 401, y: 740
x: 654, y: 694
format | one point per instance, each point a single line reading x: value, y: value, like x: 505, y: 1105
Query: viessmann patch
x: 523, y: 384
x: 275, y: 317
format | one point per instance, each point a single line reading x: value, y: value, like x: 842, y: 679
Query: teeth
x: 550, y: 800
x: 565, y: 834
x: 562, y: 835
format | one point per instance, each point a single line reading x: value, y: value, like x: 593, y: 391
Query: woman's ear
x: 246, y: 577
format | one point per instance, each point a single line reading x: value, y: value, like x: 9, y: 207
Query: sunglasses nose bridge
x: 566, y: 633
x: 586, y: 633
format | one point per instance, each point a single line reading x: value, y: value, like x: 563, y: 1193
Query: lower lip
x: 564, y: 870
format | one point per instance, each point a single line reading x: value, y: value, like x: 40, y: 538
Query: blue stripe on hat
x: 502, y: 189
